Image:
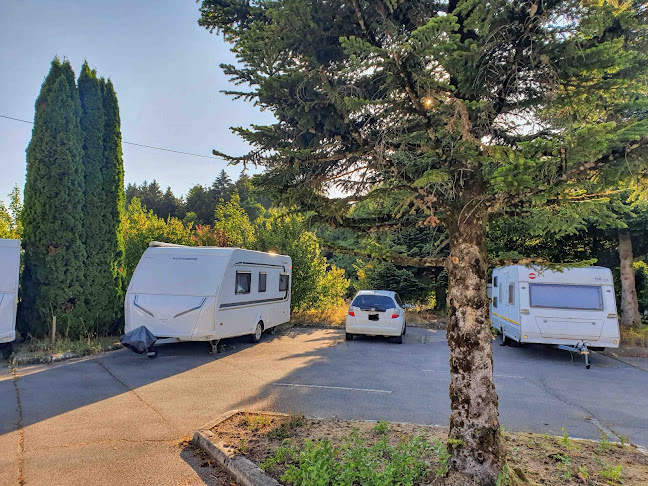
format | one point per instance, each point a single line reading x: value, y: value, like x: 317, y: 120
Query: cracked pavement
x: 120, y: 418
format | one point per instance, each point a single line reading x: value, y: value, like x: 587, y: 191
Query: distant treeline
x: 199, y: 203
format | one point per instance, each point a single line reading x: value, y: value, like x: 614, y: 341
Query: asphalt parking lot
x: 120, y: 418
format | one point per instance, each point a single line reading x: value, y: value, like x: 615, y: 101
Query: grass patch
x: 42, y: 350
x: 255, y: 421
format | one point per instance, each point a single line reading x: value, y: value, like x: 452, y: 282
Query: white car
x: 376, y: 313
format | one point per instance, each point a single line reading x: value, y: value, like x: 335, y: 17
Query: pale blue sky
x: 165, y: 70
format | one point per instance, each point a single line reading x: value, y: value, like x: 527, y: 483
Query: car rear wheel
x: 258, y: 332
x: 349, y: 337
x: 404, y: 328
x: 398, y: 339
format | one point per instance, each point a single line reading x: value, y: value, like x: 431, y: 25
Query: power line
x: 133, y: 143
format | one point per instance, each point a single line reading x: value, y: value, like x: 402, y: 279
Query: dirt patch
x: 425, y: 319
x: 531, y: 458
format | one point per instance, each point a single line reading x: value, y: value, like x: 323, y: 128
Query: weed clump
x: 356, y: 461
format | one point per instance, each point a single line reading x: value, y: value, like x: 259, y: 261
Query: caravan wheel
x: 5, y: 350
x: 256, y: 337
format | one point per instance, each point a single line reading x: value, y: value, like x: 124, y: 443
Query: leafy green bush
x: 313, y: 287
x: 142, y: 226
x: 234, y: 223
x: 641, y: 283
x: 10, y: 224
x: 387, y: 276
x: 319, y: 463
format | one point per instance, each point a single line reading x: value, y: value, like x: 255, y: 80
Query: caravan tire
x: 5, y: 350
x: 258, y: 331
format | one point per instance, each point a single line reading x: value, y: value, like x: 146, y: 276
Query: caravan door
x: 507, y: 308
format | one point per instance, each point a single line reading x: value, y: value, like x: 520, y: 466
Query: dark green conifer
x: 98, y: 275
x: 53, y: 276
x: 114, y: 197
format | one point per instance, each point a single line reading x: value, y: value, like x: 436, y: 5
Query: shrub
x: 142, y: 226
x: 355, y: 462
x: 312, y: 286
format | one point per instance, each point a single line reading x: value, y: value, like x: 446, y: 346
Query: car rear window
x: 378, y: 302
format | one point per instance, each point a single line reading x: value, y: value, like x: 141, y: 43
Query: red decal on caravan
x: 532, y: 275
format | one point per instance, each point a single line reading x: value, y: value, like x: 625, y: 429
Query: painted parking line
x: 368, y: 390
x: 496, y: 375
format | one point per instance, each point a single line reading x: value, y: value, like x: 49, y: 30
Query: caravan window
x: 583, y: 297
x: 243, y: 282
x: 494, y: 281
x: 511, y: 294
x: 283, y: 282
x: 263, y: 278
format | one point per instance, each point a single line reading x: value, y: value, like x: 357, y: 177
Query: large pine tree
x: 114, y: 202
x: 463, y: 109
x: 53, y: 276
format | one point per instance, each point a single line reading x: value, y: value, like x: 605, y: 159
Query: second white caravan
x: 574, y: 309
x: 9, y: 273
x: 182, y: 293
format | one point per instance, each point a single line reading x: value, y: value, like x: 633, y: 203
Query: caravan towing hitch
x: 580, y: 348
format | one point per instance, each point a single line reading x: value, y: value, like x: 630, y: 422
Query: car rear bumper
x: 394, y: 328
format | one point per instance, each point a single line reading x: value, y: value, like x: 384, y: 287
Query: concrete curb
x: 244, y: 471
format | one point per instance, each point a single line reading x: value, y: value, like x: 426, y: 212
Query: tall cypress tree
x: 98, y: 276
x: 114, y: 197
x: 52, y: 281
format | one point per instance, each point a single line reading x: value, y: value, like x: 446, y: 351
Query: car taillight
x: 395, y: 315
x: 351, y: 313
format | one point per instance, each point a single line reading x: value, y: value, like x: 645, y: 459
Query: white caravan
x: 574, y: 309
x: 183, y: 293
x: 9, y: 273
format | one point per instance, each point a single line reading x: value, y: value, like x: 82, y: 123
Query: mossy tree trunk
x: 474, y: 444
x: 629, y: 303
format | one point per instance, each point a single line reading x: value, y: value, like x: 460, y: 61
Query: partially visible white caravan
x: 574, y: 309
x: 182, y: 293
x: 9, y: 274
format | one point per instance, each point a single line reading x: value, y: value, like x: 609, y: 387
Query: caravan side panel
x: 252, y: 291
x: 9, y: 273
